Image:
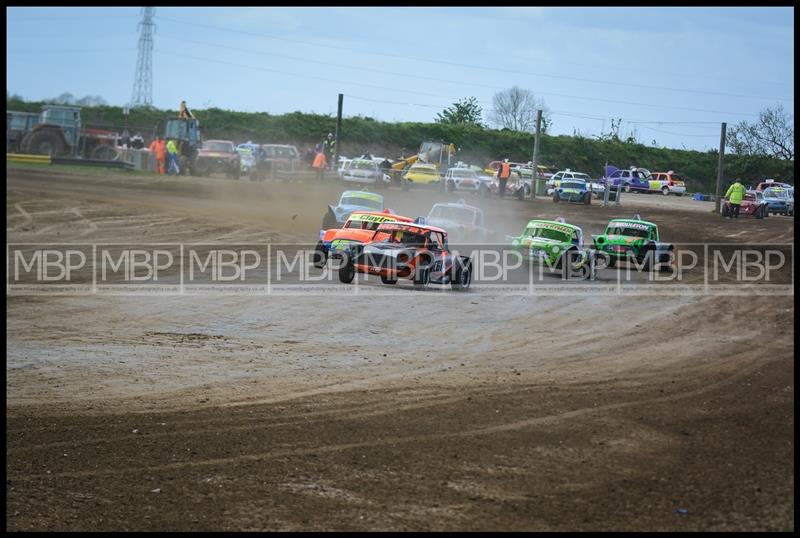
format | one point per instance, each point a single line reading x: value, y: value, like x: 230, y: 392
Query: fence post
x: 535, y: 175
x: 717, y: 203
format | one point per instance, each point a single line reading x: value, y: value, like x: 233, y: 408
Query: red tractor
x: 58, y: 133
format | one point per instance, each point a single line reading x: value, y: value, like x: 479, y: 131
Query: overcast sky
x: 668, y: 65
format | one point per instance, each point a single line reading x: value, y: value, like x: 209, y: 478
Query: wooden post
x: 717, y: 201
x: 535, y: 174
x: 338, y: 131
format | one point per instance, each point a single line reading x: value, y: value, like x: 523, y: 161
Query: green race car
x: 547, y: 242
x: 633, y: 240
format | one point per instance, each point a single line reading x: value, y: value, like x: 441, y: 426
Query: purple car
x: 634, y: 179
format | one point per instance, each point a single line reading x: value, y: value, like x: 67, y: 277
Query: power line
x: 682, y: 134
x: 70, y: 51
x: 615, y: 101
x: 301, y: 75
x: 470, y: 66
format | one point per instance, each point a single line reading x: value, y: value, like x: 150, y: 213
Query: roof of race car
x: 460, y: 204
x: 633, y: 221
x: 382, y: 215
x: 414, y: 225
x: 363, y: 194
x: 538, y: 223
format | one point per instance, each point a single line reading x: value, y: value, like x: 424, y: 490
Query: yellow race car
x: 421, y: 174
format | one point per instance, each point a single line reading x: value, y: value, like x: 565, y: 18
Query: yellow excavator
x: 436, y: 153
x: 439, y: 154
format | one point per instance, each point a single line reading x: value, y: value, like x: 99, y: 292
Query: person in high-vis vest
x: 734, y: 195
x: 172, y: 154
x: 503, y: 173
x: 319, y: 164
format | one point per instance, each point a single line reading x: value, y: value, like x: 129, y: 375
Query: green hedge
x: 478, y: 145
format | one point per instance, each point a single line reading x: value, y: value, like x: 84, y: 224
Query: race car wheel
x: 612, y: 261
x: 422, y: 277
x: 665, y: 191
x: 759, y: 214
x: 664, y: 266
x: 346, y: 273
x: 520, y: 194
x: 462, y: 276
x: 646, y: 259
x: 725, y: 211
x: 320, y: 256
x: 626, y: 188
x: 387, y: 280
x: 329, y: 221
x: 569, y: 258
x: 555, y: 197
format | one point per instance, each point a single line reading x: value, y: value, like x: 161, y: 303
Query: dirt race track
x: 413, y: 411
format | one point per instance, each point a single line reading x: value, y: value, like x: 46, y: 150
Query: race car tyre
x: 665, y: 191
x: 329, y: 221
x: 520, y: 194
x: 555, y: 197
x: 569, y: 256
x: 725, y: 211
x: 759, y: 213
x: 646, y: 260
x: 462, y: 276
x: 612, y: 261
x: 387, y: 280
x: 665, y: 266
x: 347, y: 272
x: 320, y: 256
x: 422, y: 277
x: 626, y: 188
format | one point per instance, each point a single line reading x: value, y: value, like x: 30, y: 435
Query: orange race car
x: 359, y: 228
x: 411, y: 251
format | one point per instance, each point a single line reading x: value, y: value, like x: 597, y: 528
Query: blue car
x: 778, y: 201
x: 635, y: 179
x: 349, y: 202
x: 572, y: 190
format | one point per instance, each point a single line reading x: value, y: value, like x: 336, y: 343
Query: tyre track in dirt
x: 547, y: 420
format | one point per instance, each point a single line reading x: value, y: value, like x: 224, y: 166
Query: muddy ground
x: 409, y: 411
